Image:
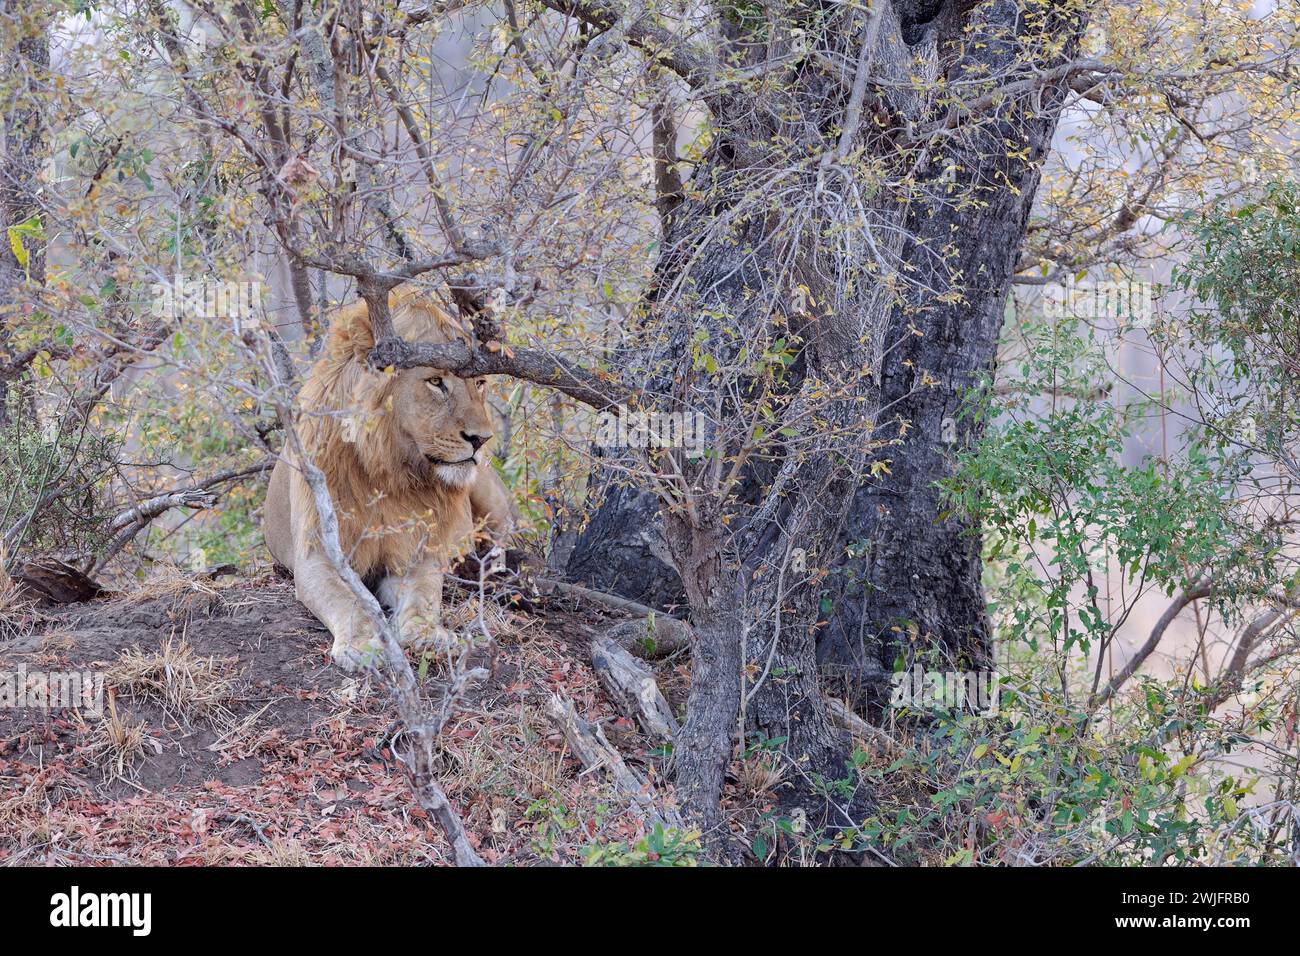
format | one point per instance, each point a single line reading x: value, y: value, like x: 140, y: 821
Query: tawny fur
x: 406, y: 480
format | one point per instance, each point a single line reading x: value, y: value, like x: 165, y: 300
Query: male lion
x: 405, y: 457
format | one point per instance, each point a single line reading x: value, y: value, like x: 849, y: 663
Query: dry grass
x: 22, y: 803
x: 239, y: 734
x: 16, y: 619
x: 8, y: 589
x: 464, y: 617
x: 117, y: 743
x: 169, y: 581
x: 185, y: 685
x: 758, y: 775
x: 182, y: 592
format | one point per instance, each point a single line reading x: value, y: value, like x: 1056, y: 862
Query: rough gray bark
x: 718, y: 292
x: 621, y: 550
x: 911, y: 570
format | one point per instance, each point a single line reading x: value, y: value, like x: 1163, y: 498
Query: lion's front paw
x: 424, y: 632
x: 358, y: 650
x: 437, y: 640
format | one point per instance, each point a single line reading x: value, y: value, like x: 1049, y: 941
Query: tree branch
x: 131, y: 522
x: 693, y: 64
x: 1152, y: 642
x: 392, y: 669
x: 600, y: 390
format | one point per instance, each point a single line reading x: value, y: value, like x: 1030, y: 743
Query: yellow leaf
x: 1182, y: 766
x: 16, y: 244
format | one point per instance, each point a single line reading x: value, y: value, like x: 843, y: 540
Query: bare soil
x: 227, y: 737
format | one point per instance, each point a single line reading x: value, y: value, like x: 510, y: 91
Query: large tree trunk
x: 730, y: 293
x: 905, y: 577
x: 622, y: 549
x: 911, y: 578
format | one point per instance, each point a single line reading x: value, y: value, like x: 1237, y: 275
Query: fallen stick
x: 587, y: 742
x: 841, y: 716
x: 632, y: 688
x: 652, y: 633
x: 54, y: 581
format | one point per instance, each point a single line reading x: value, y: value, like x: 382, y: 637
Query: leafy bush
x: 1065, y: 772
x: 659, y: 847
x: 56, y: 476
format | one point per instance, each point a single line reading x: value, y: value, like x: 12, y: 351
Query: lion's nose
x: 476, y: 441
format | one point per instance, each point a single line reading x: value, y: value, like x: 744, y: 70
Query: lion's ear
x: 363, y: 340
x: 360, y: 333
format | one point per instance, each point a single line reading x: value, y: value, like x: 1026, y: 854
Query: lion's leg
x: 491, y: 504
x: 416, y: 599
x: 319, y: 587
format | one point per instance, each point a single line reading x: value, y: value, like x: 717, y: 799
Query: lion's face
x: 446, y: 421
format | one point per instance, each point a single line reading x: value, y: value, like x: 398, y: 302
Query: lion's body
x: 377, y: 533
x: 404, y: 458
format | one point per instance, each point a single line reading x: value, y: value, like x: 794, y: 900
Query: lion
x: 406, y: 458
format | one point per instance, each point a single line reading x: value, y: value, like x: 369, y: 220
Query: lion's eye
x: 481, y: 383
x: 438, y: 386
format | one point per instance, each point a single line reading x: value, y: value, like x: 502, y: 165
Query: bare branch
x: 13, y: 367
x: 1153, y: 641
x: 421, y: 727
x: 600, y: 390
x: 131, y: 522
x: 691, y: 62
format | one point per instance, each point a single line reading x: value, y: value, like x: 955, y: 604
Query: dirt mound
x: 257, y: 643
x: 225, y: 736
